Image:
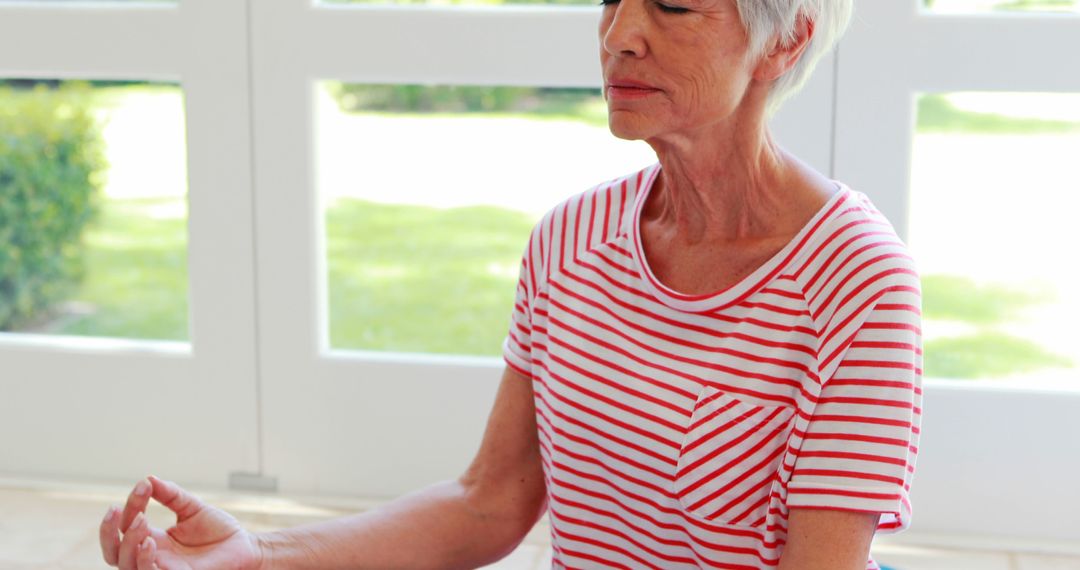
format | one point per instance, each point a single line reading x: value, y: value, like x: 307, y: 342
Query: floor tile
x: 57, y: 530
x: 38, y: 529
x: 1040, y: 562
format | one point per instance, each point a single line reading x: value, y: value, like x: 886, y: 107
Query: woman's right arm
x: 465, y: 523
x: 472, y: 521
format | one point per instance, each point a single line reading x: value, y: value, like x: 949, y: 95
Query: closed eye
x: 663, y: 7
x: 671, y: 9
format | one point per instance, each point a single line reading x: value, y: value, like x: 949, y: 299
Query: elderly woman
x: 713, y: 362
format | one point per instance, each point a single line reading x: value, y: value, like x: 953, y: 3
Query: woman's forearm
x: 444, y: 526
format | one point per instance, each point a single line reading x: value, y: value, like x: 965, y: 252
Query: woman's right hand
x: 204, y: 537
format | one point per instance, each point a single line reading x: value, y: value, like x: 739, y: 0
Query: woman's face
x: 672, y: 66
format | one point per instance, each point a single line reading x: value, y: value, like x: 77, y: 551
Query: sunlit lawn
x: 417, y: 279
x: 400, y: 277
x: 136, y: 273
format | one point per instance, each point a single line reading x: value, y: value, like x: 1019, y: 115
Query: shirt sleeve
x: 517, y: 347
x: 527, y: 327
x: 859, y: 447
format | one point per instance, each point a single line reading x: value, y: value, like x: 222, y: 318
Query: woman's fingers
x: 146, y: 555
x: 109, y: 534
x: 131, y: 523
x: 136, y: 503
x: 179, y: 501
x: 129, y: 546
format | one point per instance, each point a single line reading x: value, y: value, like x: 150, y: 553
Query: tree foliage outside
x: 580, y: 104
x: 52, y: 166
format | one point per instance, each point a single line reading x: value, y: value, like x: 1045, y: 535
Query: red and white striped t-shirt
x: 677, y: 430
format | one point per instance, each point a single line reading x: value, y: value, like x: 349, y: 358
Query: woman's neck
x: 729, y: 189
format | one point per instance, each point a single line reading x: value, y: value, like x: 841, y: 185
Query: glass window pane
x: 93, y: 209
x: 430, y: 194
x: 994, y: 199
x: 1001, y: 6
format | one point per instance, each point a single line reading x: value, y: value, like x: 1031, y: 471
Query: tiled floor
x: 45, y: 528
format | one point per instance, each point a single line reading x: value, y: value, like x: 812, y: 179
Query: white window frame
x: 115, y: 409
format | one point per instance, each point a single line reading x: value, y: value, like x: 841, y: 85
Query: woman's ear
x: 781, y: 58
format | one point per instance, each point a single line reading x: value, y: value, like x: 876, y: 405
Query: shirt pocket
x: 730, y: 457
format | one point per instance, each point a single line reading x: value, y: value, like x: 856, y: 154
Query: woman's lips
x: 628, y: 91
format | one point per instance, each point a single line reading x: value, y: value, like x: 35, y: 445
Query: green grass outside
x: 416, y: 279
x: 987, y: 354
x: 136, y: 273
x: 385, y: 263
x: 937, y: 115
x: 954, y: 298
x: 986, y: 350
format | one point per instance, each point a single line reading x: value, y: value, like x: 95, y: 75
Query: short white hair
x: 769, y: 22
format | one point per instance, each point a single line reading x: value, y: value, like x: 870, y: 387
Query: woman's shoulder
x: 855, y: 226
x: 854, y: 255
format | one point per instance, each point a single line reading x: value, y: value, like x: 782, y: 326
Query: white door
x: 961, y: 123
x: 382, y: 422
x: 115, y: 409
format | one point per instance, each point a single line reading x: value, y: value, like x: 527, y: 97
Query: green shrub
x: 566, y: 103
x: 52, y: 164
x: 428, y: 99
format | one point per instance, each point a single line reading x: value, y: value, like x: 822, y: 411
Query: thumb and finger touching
x: 196, y: 525
x: 177, y: 500
x: 128, y: 541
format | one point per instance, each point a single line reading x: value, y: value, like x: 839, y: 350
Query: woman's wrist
x: 263, y: 547
x: 286, y: 549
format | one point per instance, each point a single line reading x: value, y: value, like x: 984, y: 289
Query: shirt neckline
x: 739, y: 291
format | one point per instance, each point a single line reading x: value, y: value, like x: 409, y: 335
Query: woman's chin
x: 627, y: 127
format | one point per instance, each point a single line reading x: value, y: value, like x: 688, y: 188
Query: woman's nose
x: 622, y: 29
